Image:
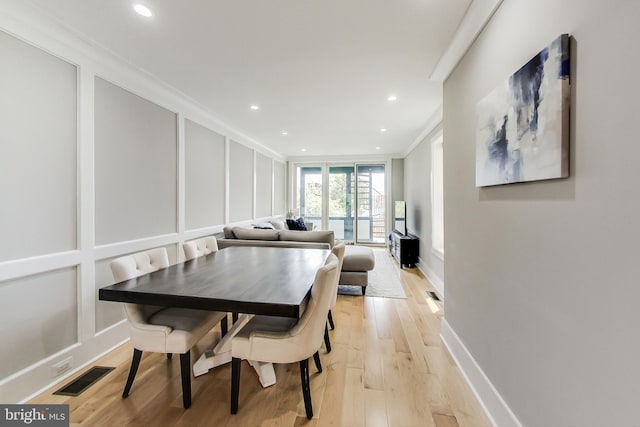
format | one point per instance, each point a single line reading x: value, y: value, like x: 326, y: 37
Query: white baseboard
x: 35, y: 379
x: 432, y: 277
x: 494, y: 406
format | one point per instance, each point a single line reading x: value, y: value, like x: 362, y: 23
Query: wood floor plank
x: 353, y: 413
x: 356, y: 335
x: 402, y: 409
x: 428, y: 325
x: 342, y: 332
x: 395, y: 326
x: 330, y: 411
x: 373, y: 379
x: 415, y: 387
x: 369, y: 311
x: 355, y: 357
x: 464, y: 406
x: 388, y: 367
x: 413, y: 337
x: 288, y: 392
x: 375, y: 411
x: 445, y: 420
x: 383, y: 318
x: 438, y: 400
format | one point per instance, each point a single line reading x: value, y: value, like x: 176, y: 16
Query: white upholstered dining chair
x: 286, y: 340
x: 161, y: 329
x: 200, y: 247
x: 338, y: 251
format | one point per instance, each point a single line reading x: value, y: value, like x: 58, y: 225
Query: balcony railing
x: 371, y: 229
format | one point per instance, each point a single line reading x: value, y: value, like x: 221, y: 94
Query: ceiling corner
x: 477, y: 16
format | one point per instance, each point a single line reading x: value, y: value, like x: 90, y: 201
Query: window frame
x: 437, y: 195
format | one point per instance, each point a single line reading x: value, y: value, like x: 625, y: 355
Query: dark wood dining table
x: 272, y: 281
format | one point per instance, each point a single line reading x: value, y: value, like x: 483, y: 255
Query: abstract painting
x: 522, y: 129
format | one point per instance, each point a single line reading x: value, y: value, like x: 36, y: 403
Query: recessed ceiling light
x: 254, y: 107
x: 377, y: 148
x: 303, y: 150
x: 142, y: 10
x: 392, y: 98
x: 285, y: 133
x: 383, y: 130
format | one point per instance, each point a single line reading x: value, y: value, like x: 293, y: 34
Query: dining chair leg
x: 306, y: 389
x: 316, y: 358
x: 224, y: 325
x: 330, y: 317
x: 169, y: 356
x: 185, y: 371
x: 327, y: 342
x: 235, y: 383
x: 135, y: 362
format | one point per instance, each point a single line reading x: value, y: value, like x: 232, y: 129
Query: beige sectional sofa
x: 358, y: 260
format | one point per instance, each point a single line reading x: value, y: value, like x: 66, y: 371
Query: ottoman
x: 357, y: 262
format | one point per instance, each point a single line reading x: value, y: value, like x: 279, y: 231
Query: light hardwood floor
x: 388, y: 367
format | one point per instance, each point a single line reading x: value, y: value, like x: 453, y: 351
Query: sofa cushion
x: 358, y: 258
x: 228, y: 232
x: 278, y: 224
x: 321, y: 236
x: 255, y: 234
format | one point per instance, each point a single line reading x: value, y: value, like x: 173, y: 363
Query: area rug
x: 384, y: 279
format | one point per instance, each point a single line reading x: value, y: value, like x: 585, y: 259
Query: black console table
x: 405, y: 248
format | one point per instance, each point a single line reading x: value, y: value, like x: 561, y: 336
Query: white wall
x: 397, y: 180
x: 97, y: 161
x: 541, y: 278
x: 205, y: 176
x: 417, y: 193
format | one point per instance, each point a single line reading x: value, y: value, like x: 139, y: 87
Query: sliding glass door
x: 309, y: 190
x: 370, y: 203
x: 341, y: 201
x: 348, y: 199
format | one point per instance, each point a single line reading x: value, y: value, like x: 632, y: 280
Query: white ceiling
x: 320, y: 70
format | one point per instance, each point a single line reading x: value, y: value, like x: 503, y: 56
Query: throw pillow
x: 297, y: 224
x: 264, y: 226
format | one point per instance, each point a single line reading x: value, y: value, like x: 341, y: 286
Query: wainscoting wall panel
x: 241, y: 182
x: 205, y: 175
x: 135, y: 166
x: 38, y: 317
x: 264, y: 193
x: 279, y: 187
x: 38, y: 126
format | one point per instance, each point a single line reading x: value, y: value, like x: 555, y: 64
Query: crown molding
x: 434, y: 121
x: 475, y: 19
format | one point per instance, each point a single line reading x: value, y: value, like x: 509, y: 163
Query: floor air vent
x: 433, y: 295
x: 84, y: 381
